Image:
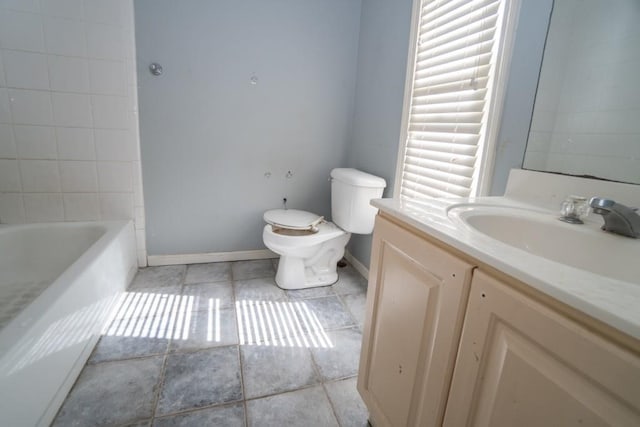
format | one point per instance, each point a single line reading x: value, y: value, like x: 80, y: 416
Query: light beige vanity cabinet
x: 449, y: 344
x: 521, y: 363
x: 415, y: 307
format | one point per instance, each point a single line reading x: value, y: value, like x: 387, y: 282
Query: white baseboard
x: 357, y: 264
x: 156, y: 260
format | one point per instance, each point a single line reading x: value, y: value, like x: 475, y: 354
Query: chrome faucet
x: 618, y: 218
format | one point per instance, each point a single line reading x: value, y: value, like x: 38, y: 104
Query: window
x: 450, y: 105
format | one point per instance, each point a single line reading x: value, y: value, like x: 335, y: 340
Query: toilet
x: 310, y: 247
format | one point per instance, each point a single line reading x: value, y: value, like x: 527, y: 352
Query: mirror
x: 586, y: 118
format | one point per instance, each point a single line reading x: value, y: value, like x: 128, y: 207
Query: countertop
x: 614, y: 302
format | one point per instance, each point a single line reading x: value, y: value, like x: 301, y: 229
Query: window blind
x: 452, y: 76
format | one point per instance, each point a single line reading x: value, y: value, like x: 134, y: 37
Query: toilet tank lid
x: 358, y: 178
x: 292, y: 219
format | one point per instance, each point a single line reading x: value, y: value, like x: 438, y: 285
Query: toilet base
x: 298, y: 277
x: 319, y: 270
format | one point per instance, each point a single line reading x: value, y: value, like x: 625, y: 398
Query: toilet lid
x: 293, y: 219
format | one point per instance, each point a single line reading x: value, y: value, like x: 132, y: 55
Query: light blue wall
x: 208, y: 135
x: 384, y: 42
x: 329, y: 96
x: 521, y: 90
x: 382, y: 58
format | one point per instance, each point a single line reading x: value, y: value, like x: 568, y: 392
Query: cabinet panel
x: 521, y: 363
x: 414, y: 316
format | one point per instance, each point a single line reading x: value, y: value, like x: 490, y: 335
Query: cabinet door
x: 414, y: 317
x: 523, y: 364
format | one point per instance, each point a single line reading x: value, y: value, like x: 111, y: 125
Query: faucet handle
x: 574, y: 209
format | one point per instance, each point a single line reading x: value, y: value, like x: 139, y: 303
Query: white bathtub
x: 59, y: 284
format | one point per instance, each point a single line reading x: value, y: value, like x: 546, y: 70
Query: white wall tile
x: 543, y: 120
x: 65, y: 37
x: 561, y: 123
x: 11, y: 208
x: 70, y: 109
x: 590, y: 135
x: 109, y: 112
x: 105, y: 42
x: 75, y: 144
x: 26, y: 70
x: 64, y: 61
x: 63, y: 8
x: 107, y: 77
x: 5, y: 107
x: 617, y: 122
x: 39, y: 176
x: 31, y: 107
x: 68, y: 74
x: 116, y: 206
x: 623, y: 169
x: 81, y: 207
x: 78, y: 177
x: 21, y: 31
x: 628, y: 144
x: 21, y: 5
x: 129, y: 48
x: 539, y: 141
x: 35, y: 142
x: 105, y: 12
x: 114, y: 144
x: 142, y: 257
x: 140, y: 237
x: 8, y: 149
x: 115, y: 176
x: 628, y: 169
x: 127, y: 13
x: 9, y: 175
x: 600, y: 145
x: 138, y: 218
x: 626, y: 97
x: 43, y: 207
x: 138, y: 198
x: 132, y: 80
x: 535, y: 160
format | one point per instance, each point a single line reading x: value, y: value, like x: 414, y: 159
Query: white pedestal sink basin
x: 585, y: 246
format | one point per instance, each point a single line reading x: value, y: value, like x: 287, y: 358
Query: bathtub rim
x: 118, y: 240
x: 24, y: 320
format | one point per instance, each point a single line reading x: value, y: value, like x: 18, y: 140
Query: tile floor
x: 221, y: 345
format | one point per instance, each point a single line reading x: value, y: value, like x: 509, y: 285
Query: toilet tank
x: 351, y: 192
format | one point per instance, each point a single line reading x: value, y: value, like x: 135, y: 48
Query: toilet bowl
x: 307, y: 260
x: 310, y: 247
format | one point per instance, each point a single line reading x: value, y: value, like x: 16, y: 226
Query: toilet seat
x: 293, y: 222
x: 326, y: 231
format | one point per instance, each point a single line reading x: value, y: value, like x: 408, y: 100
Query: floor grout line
x: 169, y: 351
x: 333, y: 409
x: 244, y: 394
x: 163, y: 369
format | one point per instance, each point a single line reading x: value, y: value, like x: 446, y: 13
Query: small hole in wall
x: 483, y: 295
